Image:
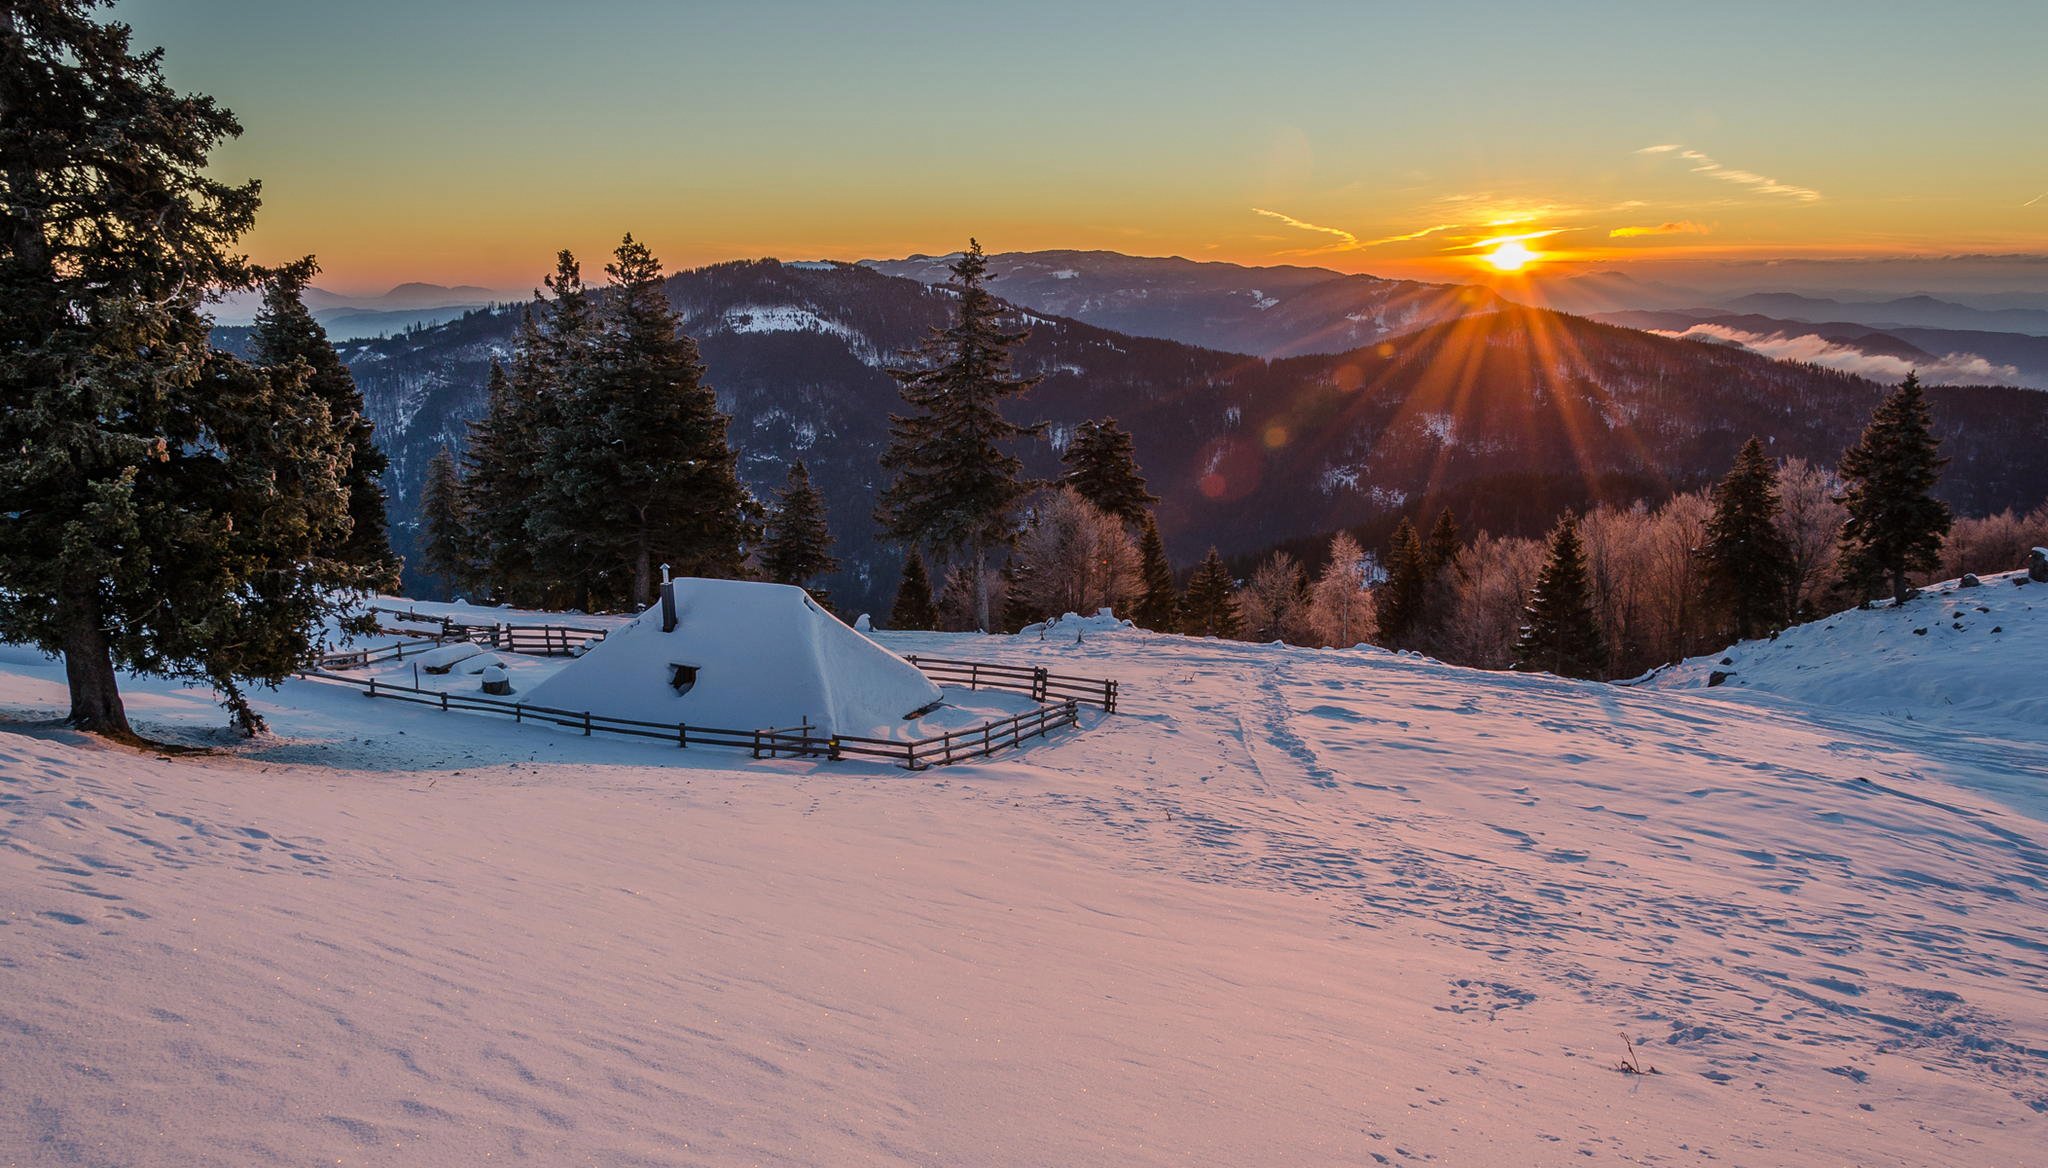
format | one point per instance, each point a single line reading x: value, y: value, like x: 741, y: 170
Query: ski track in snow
x: 1285, y: 907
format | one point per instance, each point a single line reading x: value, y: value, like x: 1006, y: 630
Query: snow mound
x: 742, y: 656
x: 1955, y: 655
x: 1103, y: 621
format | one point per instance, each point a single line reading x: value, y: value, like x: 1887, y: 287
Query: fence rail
x: 1030, y: 679
x: 804, y: 741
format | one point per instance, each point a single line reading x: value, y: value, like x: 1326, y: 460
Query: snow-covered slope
x: 1954, y: 657
x: 1288, y: 907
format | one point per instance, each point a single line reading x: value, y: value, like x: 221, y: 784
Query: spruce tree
x: 501, y: 477
x: 444, y: 527
x: 636, y: 471
x: 798, y: 547
x: 1210, y: 607
x: 956, y: 482
x: 1562, y: 635
x: 285, y: 333
x: 1895, y: 524
x: 914, y: 609
x: 1400, y: 600
x: 1746, y: 561
x: 164, y: 508
x: 1443, y: 574
x: 1158, y: 608
x: 1102, y: 467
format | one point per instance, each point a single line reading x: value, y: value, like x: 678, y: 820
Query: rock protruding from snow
x: 2037, y: 565
x: 743, y: 656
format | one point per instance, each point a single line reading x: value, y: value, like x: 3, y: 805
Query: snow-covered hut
x: 741, y: 656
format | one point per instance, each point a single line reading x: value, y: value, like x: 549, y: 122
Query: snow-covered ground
x: 1287, y: 907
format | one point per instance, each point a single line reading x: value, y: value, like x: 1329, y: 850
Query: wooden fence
x: 1030, y: 679
x: 805, y: 741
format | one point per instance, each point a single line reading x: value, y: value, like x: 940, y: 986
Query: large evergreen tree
x: 1443, y: 571
x: 636, y: 471
x: 1895, y: 524
x: 1745, y: 559
x: 1158, y: 607
x: 798, y: 547
x: 914, y: 609
x: 1209, y: 609
x: 1400, y: 600
x: 444, y: 525
x: 1102, y: 467
x: 163, y: 508
x: 501, y: 474
x: 957, y: 483
x: 285, y: 333
x: 1562, y: 635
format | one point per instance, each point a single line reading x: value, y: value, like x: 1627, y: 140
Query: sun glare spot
x: 1511, y: 256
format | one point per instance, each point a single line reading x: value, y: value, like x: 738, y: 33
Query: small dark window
x: 682, y: 677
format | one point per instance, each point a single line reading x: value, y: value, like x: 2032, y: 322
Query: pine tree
x: 798, y: 547
x: 1895, y: 524
x: 164, y: 508
x: 1562, y: 635
x: 1444, y: 574
x: 1210, y: 607
x: 1158, y: 608
x: 914, y: 610
x: 1400, y: 600
x: 1103, y: 467
x: 957, y: 484
x: 444, y: 525
x: 285, y: 333
x: 501, y: 478
x: 637, y: 471
x: 1746, y: 560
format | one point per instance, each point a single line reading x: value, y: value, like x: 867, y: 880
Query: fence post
x: 683, y: 735
x: 444, y: 701
x: 757, y: 744
x: 986, y: 749
x: 586, y: 723
x: 1109, y: 696
x: 373, y: 687
x: 974, y: 676
x: 1038, y: 683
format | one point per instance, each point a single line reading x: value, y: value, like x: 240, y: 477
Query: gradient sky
x: 464, y: 140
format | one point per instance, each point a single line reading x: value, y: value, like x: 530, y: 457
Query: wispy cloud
x: 1343, y: 240
x: 1675, y: 227
x: 1761, y: 184
x: 2035, y: 199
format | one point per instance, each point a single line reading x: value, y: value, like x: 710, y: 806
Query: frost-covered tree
x: 444, y: 526
x: 1340, y: 601
x: 1158, y: 608
x: 286, y: 333
x: 1487, y: 620
x: 957, y: 483
x: 1274, y: 604
x: 1209, y: 607
x: 1992, y: 543
x: 913, y: 609
x: 798, y: 547
x: 1102, y: 466
x: 1895, y: 523
x: 163, y: 508
x: 1810, y: 517
x: 1746, y: 562
x: 1074, y: 557
x: 1562, y: 634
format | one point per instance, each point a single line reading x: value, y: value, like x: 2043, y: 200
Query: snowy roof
x: 742, y: 656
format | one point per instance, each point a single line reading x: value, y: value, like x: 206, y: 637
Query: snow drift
x: 742, y: 656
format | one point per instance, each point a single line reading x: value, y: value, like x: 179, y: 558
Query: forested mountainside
x: 1509, y: 416
x: 1282, y: 311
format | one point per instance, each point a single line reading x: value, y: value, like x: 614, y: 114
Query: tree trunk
x: 980, y: 565
x: 1901, y: 591
x: 643, y: 571
x: 89, y: 667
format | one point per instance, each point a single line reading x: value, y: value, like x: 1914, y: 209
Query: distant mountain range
x: 1263, y: 312
x: 1509, y: 416
x: 410, y: 305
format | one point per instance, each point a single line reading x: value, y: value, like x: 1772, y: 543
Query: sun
x: 1511, y: 256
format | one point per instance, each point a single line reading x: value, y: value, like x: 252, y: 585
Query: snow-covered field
x: 1288, y: 907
